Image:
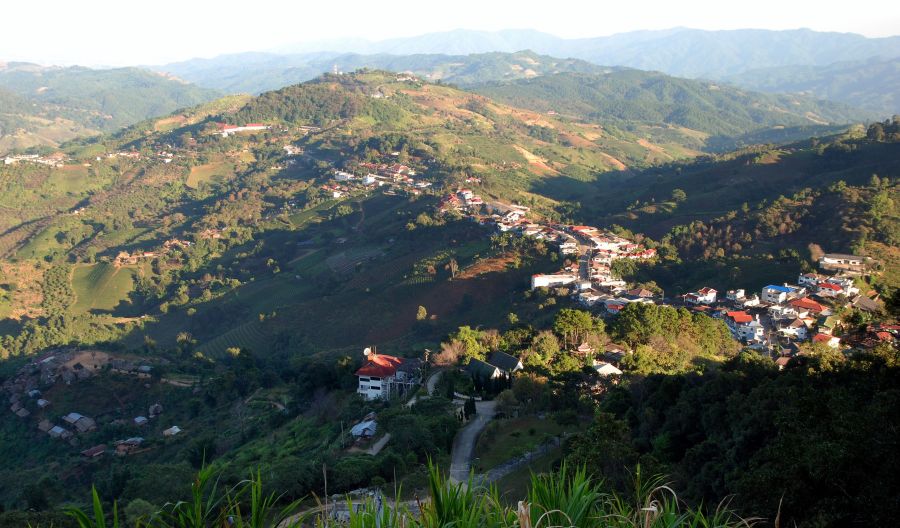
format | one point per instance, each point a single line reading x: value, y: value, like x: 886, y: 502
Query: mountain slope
x: 25, y: 124
x: 258, y: 72
x: 101, y: 99
x: 632, y: 96
x: 871, y: 84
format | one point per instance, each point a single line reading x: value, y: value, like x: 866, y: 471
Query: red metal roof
x: 829, y: 286
x: 380, y: 366
x: 740, y: 317
x: 807, y: 304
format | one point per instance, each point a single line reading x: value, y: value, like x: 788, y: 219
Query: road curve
x: 464, y: 444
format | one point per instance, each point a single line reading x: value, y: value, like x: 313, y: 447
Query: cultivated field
x: 101, y: 286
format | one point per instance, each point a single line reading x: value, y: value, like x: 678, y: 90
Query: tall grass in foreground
x: 565, y: 499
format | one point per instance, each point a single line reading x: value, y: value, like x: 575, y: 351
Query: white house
x: 774, y: 294
x: 605, y: 369
x: 382, y: 377
x: 704, y: 295
x: 568, y: 246
x: 842, y: 262
x: 552, y: 279
x: 172, y: 431
x: 744, y: 326
x: 735, y: 295
x: 342, y: 176
x: 845, y: 286
x: 810, y: 280
x: 796, y: 329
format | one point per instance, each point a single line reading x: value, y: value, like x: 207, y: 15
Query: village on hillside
x: 774, y: 321
x: 28, y: 394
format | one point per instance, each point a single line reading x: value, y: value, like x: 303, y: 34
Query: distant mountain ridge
x: 812, y: 63
x: 47, y: 105
x: 259, y: 72
x: 870, y: 84
x: 679, y: 51
x: 118, y: 97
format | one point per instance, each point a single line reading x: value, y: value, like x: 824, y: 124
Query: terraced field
x: 248, y: 335
x: 101, y: 286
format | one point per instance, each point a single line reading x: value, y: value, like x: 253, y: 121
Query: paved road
x: 464, y: 443
x: 430, y: 383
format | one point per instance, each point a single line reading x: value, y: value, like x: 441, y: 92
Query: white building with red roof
x: 383, y: 377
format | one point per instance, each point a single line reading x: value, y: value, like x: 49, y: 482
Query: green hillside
x: 631, y: 96
x: 101, y: 287
x: 248, y: 278
x: 46, y: 106
x: 258, y: 72
x: 870, y: 84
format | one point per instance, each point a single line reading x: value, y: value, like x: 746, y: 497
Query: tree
x: 575, y: 325
x: 507, y: 404
x: 471, y: 342
x: 545, y: 346
x: 421, y: 314
x: 606, y: 449
x: 469, y: 408
x: 453, y: 266
x: 139, y: 510
x: 678, y: 195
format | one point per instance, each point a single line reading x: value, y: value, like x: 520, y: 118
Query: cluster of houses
x: 24, y: 392
x: 125, y: 258
x: 226, y: 130
x: 783, y: 315
x: 591, y: 280
x: 463, y: 200
x: 57, y: 159
x: 395, y: 176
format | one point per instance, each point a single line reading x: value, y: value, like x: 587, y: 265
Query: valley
x: 432, y: 266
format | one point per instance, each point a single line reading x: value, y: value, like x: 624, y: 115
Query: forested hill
x: 258, y: 72
x: 103, y: 100
x: 633, y: 96
x: 25, y: 123
x: 870, y: 84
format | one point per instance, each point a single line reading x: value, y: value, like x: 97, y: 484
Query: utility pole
x: 325, y: 476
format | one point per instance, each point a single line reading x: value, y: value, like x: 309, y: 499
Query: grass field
x: 507, y: 439
x: 209, y: 172
x: 101, y: 286
x: 69, y: 179
x: 514, y: 487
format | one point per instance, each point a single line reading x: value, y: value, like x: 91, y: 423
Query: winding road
x: 464, y: 444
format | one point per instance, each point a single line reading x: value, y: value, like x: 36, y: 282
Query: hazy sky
x: 106, y: 32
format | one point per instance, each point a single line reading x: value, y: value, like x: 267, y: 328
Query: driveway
x: 464, y: 444
x: 430, y: 383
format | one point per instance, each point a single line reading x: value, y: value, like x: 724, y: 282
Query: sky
x: 111, y: 33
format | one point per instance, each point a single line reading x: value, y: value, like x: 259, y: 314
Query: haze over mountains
x: 313, y: 264
x: 829, y: 61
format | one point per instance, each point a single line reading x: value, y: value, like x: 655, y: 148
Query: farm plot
x: 346, y: 261
x: 248, y: 335
x: 209, y: 172
x: 101, y: 286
